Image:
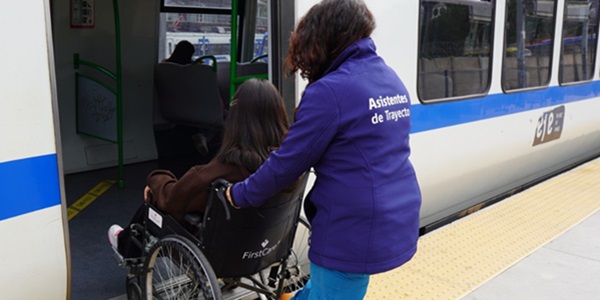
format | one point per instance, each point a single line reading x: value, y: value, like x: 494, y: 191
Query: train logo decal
x: 549, y: 126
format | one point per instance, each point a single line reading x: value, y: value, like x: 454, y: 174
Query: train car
x: 489, y: 121
x: 504, y: 94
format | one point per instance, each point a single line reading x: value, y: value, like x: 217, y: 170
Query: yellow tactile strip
x: 88, y: 198
x: 458, y: 258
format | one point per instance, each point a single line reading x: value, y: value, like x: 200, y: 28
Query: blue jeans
x: 327, y: 284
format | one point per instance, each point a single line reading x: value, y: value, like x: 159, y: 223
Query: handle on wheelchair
x: 220, y: 186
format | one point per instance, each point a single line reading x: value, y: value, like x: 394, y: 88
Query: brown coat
x: 190, y: 192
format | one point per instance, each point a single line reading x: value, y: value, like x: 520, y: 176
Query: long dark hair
x: 256, y: 125
x: 324, y: 32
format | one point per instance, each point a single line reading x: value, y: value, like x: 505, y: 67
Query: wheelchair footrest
x: 118, y: 257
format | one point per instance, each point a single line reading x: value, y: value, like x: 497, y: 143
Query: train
x: 504, y: 94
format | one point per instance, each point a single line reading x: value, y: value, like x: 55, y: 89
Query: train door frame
x: 281, y: 24
x: 283, y: 16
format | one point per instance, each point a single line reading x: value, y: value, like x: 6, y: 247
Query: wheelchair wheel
x: 298, y: 265
x: 134, y: 291
x: 177, y: 269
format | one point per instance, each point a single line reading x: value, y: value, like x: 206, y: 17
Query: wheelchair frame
x: 173, y: 265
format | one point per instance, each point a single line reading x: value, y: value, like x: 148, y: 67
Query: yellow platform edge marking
x: 458, y: 258
x: 88, y: 198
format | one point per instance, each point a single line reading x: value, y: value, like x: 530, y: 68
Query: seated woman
x: 256, y: 125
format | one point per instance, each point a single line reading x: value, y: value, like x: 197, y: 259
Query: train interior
x: 113, y: 127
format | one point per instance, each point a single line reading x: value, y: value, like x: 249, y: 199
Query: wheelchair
x: 227, y: 253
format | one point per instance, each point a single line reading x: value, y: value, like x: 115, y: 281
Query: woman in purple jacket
x: 352, y: 126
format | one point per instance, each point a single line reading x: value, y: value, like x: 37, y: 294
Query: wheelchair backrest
x: 254, y: 237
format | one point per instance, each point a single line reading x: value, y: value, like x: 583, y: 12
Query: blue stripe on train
x: 28, y: 185
x: 439, y: 115
x: 32, y: 184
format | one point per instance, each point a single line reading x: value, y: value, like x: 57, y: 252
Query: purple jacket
x: 352, y: 126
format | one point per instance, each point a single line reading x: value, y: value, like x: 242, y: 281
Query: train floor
x: 95, y: 202
x: 542, y: 243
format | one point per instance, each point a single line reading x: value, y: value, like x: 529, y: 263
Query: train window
x: 207, y: 25
x: 204, y: 23
x: 528, y: 39
x: 579, y: 41
x: 210, y: 34
x: 198, y: 3
x: 455, y: 38
x: 261, y: 42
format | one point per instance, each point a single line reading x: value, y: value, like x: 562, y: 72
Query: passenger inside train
x: 183, y: 53
x: 256, y: 125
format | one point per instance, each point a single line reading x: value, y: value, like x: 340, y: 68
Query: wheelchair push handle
x: 220, y: 183
x: 220, y: 186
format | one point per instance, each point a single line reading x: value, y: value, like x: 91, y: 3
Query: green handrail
x: 118, y: 77
x: 77, y: 61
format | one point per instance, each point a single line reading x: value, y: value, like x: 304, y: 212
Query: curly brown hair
x: 324, y: 32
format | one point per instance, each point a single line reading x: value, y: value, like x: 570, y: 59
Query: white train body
x: 466, y: 150
x: 34, y: 251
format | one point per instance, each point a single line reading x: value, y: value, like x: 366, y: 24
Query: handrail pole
x: 119, y: 79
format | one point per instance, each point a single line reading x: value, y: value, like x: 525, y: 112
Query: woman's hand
x: 147, y: 193
x: 229, y: 198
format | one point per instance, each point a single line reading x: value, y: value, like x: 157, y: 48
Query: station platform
x: 542, y: 243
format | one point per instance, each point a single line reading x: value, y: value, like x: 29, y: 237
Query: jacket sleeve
x: 173, y: 195
x: 316, y: 124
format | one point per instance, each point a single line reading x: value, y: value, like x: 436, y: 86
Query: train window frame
x: 561, y: 65
x: 221, y: 32
x: 166, y: 45
x: 481, y: 48
x: 506, y: 46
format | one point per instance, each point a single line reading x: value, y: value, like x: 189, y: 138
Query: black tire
x: 134, y: 291
x: 298, y: 264
x: 176, y: 269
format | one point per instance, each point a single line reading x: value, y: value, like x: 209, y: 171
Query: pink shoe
x: 113, y: 234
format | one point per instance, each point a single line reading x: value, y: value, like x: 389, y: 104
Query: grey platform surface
x: 566, y: 268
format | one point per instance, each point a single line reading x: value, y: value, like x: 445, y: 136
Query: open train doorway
x: 106, y: 53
